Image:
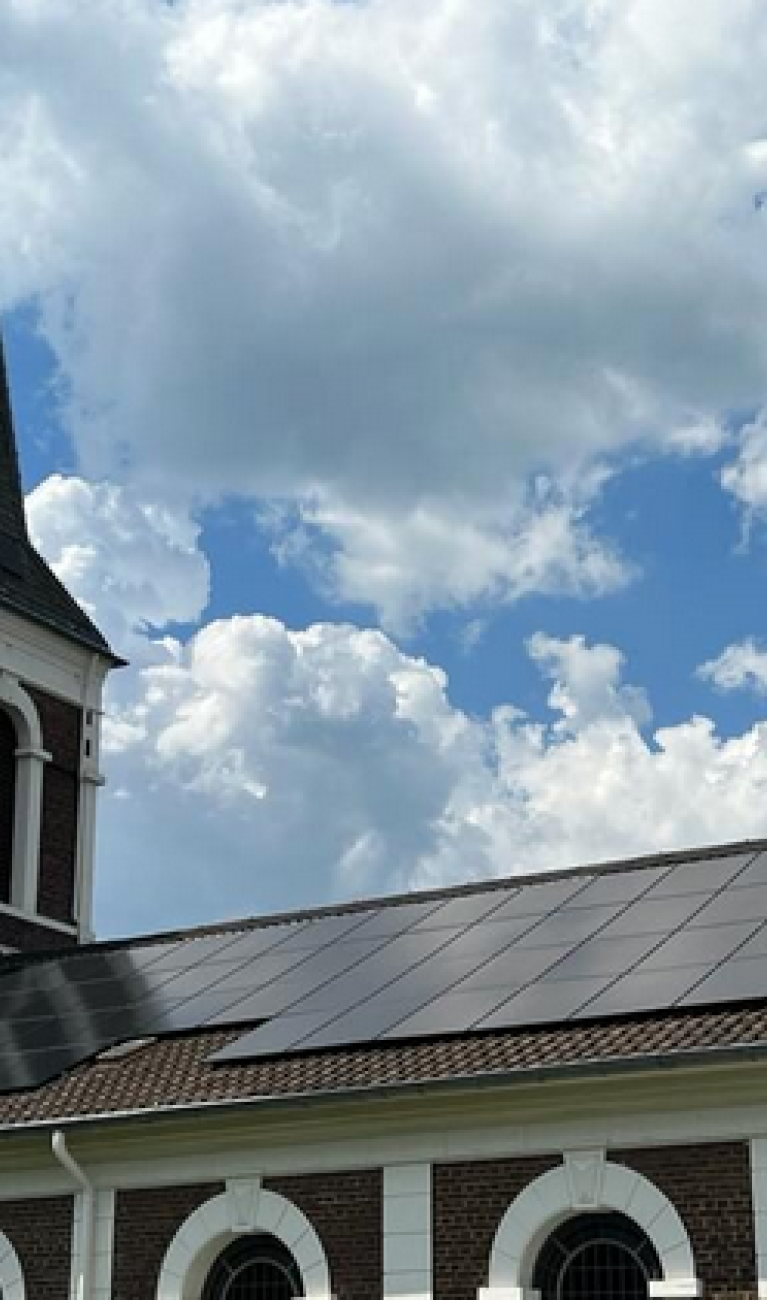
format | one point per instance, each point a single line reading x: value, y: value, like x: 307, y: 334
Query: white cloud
x: 746, y: 476
x: 739, y: 666
x: 131, y: 563
x: 254, y: 766
x: 448, y: 554
x: 393, y: 258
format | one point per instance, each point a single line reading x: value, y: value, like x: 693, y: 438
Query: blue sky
x: 389, y: 382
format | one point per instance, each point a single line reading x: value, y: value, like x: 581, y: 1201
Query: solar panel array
x: 552, y: 951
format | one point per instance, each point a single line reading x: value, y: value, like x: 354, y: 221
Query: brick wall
x: 146, y: 1221
x: 8, y: 746
x: 346, y: 1212
x: 58, y: 832
x: 41, y: 1234
x: 468, y: 1202
x: 710, y: 1187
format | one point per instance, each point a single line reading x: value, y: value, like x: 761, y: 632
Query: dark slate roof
x: 27, y: 586
x: 65, y: 1011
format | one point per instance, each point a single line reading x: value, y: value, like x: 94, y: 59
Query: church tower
x: 53, y: 662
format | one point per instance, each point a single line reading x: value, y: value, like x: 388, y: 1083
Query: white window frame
x: 11, y: 1275
x: 245, y: 1207
x: 30, y: 763
x: 587, y: 1181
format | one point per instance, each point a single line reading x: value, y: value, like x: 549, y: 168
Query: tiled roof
x: 177, y: 1072
x: 27, y: 586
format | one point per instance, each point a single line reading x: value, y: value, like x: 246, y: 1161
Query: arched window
x: 8, y: 746
x: 596, y: 1257
x: 254, y: 1267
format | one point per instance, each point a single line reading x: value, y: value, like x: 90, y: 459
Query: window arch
x: 245, y: 1210
x: 19, y: 876
x: 586, y: 1182
x: 254, y: 1267
x: 603, y: 1256
x: 11, y: 1276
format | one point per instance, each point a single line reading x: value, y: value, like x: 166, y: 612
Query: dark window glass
x: 254, y: 1268
x: 596, y: 1257
x: 8, y: 746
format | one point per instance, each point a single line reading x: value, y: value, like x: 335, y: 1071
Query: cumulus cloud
x: 741, y: 665
x: 131, y: 563
x: 325, y: 762
x: 388, y: 262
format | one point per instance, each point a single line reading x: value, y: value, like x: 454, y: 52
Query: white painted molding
x: 30, y: 761
x: 759, y: 1196
x: 586, y: 1180
x: 11, y: 1277
x: 211, y: 1227
x: 407, y: 1244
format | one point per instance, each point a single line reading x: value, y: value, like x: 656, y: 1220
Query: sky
x: 390, y: 383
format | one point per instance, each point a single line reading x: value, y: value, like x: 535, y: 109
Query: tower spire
x: 13, y: 524
x: 28, y: 587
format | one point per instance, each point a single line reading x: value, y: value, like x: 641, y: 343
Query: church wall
x: 58, y: 838
x: 40, y: 1232
x: 345, y: 1210
x: 711, y: 1188
x: 469, y: 1202
x: 146, y: 1220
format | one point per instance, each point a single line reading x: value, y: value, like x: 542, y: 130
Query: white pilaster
x: 30, y: 765
x: 759, y: 1195
x: 407, y: 1238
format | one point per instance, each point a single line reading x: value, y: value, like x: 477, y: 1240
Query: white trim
x: 28, y: 801
x: 244, y: 1207
x: 522, y: 1121
x: 598, y: 1184
x: 52, y: 663
x: 759, y: 1195
x: 407, y: 1245
x: 11, y: 1277
x: 36, y: 918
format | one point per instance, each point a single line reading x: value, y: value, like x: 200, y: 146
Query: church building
x: 548, y: 1087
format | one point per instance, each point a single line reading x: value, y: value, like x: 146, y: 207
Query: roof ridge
x: 613, y: 866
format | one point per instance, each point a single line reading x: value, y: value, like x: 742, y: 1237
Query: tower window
x: 596, y: 1257
x: 256, y: 1267
x: 8, y: 747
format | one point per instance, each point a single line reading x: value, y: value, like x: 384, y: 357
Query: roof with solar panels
x: 630, y: 963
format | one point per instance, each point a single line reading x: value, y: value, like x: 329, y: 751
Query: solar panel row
x: 585, y: 945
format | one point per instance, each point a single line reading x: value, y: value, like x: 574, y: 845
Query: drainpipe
x: 85, y: 1262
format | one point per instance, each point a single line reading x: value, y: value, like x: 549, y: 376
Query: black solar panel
x: 555, y: 950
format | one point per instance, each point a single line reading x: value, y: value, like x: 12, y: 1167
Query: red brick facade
x: 146, y: 1222
x: 41, y: 1234
x: 709, y: 1186
x: 346, y: 1212
x: 469, y: 1201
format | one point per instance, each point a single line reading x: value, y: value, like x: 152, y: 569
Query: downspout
x: 85, y: 1262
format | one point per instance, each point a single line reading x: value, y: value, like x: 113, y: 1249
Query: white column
x: 407, y: 1244
x: 30, y: 765
x: 759, y: 1195
x: 90, y: 781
